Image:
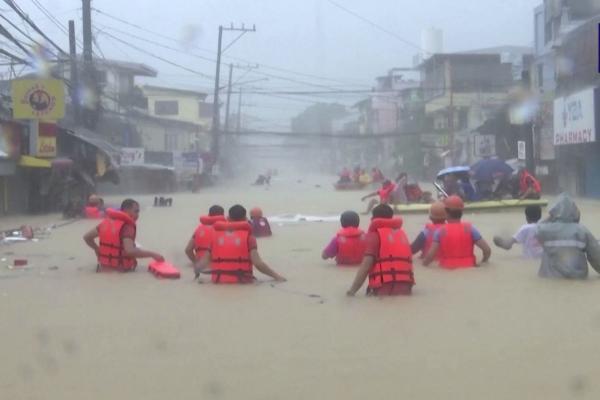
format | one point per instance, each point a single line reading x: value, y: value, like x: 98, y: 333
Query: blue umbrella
x: 487, y: 169
x: 453, y: 170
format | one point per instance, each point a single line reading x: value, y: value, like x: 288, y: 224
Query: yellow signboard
x: 38, y: 99
x: 46, y: 146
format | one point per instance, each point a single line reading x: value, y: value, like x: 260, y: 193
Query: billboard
x: 575, y: 118
x: 38, y: 99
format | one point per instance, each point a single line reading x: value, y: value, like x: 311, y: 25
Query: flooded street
x: 498, y: 332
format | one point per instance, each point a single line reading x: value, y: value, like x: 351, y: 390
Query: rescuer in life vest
x: 529, y: 186
x: 233, y: 252
x: 385, y: 195
x: 259, y: 223
x: 388, y: 258
x: 348, y: 245
x: 201, y: 240
x: 116, y: 233
x: 455, y: 241
x: 423, y: 242
x: 94, y: 209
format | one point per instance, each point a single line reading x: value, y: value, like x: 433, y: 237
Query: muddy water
x: 497, y: 332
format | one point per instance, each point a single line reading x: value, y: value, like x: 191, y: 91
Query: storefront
x: 575, y: 137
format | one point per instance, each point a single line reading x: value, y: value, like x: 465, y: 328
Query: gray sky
x: 308, y: 36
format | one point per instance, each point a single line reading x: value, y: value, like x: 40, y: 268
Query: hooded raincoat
x: 568, y: 246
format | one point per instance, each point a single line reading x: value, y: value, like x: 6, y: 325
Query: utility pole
x: 216, y: 106
x: 228, y: 98
x: 451, y: 112
x: 74, y: 73
x: 89, y: 114
x: 87, y: 30
x: 239, y: 115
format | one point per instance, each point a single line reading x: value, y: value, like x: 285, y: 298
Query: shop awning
x: 34, y: 162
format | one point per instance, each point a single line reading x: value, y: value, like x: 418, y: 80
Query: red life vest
x: 431, y: 230
x: 456, y: 246
x: 261, y: 227
x: 111, y: 243
x: 92, y: 212
x: 526, y: 177
x: 394, y: 261
x: 386, y: 192
x: 351, y: 244
x: 230, y: 253
x: 204, y: 233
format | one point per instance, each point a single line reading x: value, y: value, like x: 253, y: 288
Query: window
x: 170, y: 107
x: 463, y: 118
x: 171, y: 142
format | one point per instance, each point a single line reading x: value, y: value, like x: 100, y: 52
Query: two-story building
x: 178, y: 120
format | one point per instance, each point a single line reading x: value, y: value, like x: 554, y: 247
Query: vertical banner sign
x: 521, y: 150
x: 46, y: 141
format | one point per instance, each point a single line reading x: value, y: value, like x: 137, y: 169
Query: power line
x: 263, y: 66
x: 159, y: 57
x: 55, y: 20
x: 4, y: 32
x: 12, y: 56
x: 26, y: 18
x: 155, y: 43
x: 376, y: 26
x: 19, y: 30
x: 304, y: 83
x: 51, y: 17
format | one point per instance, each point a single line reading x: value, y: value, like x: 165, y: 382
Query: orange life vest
x: 431, y: 230
x: 456, y: 246
x: 92, y: 212
x: 351, y: 244
x: 524, y: 184
x: 230, y: 253
x: 394, y: 261
x: 111, y: 243
x: 204, y: 233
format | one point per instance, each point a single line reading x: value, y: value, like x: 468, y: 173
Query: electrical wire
x: 26, y: 18
x: 158, y: 57
x: 261, y: 65
x: 376, y: 26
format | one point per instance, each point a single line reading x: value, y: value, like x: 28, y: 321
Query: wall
x: 188, y: 108
x: 155, y: 133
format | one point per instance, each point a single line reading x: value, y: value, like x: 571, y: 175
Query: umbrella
x: 487, y: 169
x: 453, y: 170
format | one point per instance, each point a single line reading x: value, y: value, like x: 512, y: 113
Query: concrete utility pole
x: 89, y: 114
x: 74, y: 72
x: 87, y: 30
x: 228, y: 98
x: 449, y: 85
x: 239, y: 115
x: 216, y: 106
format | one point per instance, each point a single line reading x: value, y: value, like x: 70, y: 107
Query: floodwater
x: 497, y: 332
